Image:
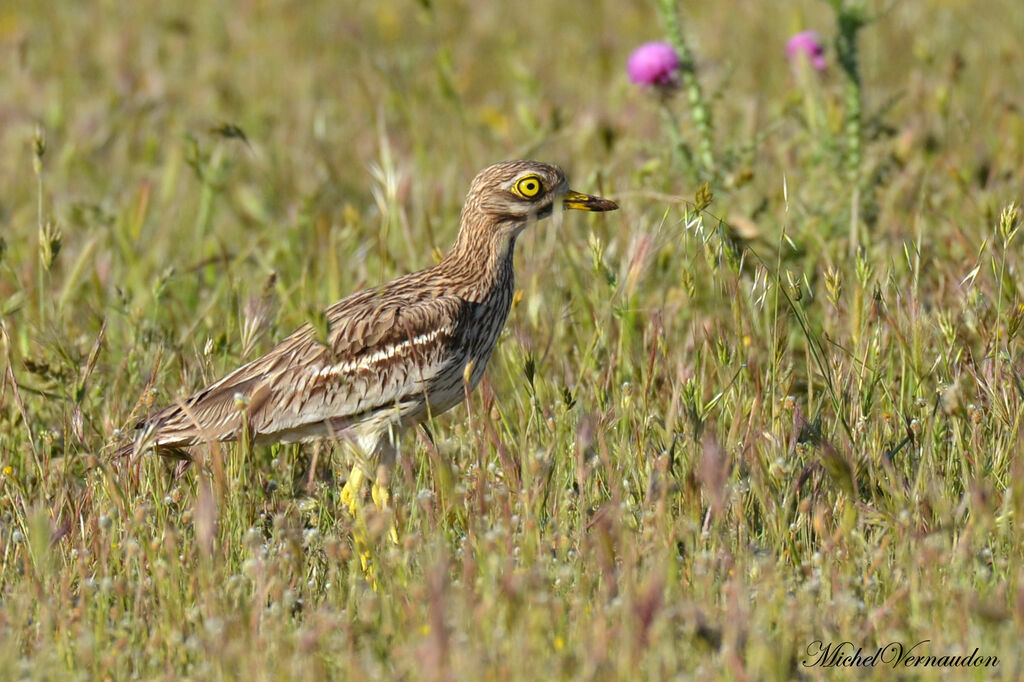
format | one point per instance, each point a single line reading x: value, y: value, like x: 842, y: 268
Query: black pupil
x: 531, y: 186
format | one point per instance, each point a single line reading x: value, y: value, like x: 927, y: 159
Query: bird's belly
x: 306, y: 433
x: 367, y: 430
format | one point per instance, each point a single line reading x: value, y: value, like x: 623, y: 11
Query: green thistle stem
x: 850, y: 21
x: 680, y: 150
x: 688, y: 72
x: 38, y: 150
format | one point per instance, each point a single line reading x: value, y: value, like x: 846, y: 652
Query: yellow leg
x: 382, y: 498
x: 352, y: 497
x: 352, y: 493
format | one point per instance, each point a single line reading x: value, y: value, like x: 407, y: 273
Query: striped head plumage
x: 393, y: 355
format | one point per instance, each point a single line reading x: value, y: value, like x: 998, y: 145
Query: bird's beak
x: 585, y: 202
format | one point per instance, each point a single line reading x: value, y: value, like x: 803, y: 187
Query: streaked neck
x: 482, y: 256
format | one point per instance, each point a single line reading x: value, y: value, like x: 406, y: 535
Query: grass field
x: 712, y: 434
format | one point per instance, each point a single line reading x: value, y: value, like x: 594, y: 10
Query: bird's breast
x: 489, y: 319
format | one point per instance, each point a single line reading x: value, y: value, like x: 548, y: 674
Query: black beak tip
x: 587, y: 202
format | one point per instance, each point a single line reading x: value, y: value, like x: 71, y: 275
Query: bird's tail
x: 170, y: 432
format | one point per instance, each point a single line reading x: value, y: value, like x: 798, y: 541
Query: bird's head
x: 520, y: 191
x: 506, y: 197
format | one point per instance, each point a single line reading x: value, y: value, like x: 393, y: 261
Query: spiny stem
x: 679, y: 146
x: 38, y: 149
x: 850, y: 20
x: 688, y: 70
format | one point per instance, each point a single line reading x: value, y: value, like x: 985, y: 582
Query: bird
x: 393, y: 356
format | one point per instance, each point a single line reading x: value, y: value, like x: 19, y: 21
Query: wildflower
x: 809, y: 44
x: 653, y: 64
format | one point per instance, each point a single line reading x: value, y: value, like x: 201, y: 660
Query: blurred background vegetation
x: 701, y: 446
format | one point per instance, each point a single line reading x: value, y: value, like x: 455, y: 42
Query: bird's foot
x: 369, y: 572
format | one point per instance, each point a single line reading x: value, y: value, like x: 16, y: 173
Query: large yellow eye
x: 528, y: 187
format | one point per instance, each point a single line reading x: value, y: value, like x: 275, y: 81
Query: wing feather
x: 384, y: 349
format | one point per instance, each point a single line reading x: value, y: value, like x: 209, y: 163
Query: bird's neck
x: 481, y: 258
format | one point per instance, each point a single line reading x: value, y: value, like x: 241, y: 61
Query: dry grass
x: 700, y: 447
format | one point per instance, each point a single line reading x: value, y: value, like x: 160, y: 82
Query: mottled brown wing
x: 382, y: 359
x: 384, y: 348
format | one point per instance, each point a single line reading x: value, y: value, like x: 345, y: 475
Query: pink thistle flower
x: 653, y: 64
x: 807, y: 43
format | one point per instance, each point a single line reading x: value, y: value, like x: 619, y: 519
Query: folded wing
x: 382, y: 352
